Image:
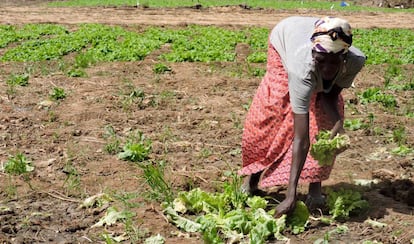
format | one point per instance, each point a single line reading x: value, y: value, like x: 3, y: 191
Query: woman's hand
x: 285, y: 207
x: 338, y: 128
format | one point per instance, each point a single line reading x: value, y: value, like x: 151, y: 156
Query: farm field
x: 71, y: 111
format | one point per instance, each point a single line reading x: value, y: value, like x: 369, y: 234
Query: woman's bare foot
x: 315, y: 201
x: 316, y: 204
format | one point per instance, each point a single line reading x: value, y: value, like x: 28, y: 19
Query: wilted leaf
x: 112, y: 216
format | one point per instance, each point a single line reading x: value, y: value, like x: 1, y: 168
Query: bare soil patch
x: 195, y: 126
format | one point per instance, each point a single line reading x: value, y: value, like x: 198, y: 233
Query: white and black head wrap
x: 331, y: 35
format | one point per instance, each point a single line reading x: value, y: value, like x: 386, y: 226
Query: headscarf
x: 331, y: 34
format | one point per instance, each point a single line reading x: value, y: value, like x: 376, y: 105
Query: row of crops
x: 92, y: 43
x: 38, y: 42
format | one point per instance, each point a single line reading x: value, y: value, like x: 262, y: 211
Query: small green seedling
x: 161, y: 68
x: 58, y: 93
x: 113, y: 142
x: 18, y: 80
x: 17, y: 165
x: 76, y: 72
x: 153, y: 174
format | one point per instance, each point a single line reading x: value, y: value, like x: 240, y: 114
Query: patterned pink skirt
x: 268, y: 130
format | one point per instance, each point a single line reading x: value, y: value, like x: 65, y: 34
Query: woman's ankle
x: 315, y: 190
x: 254, y: 180
x: 251, y: 183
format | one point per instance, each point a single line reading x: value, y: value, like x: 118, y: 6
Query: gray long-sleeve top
x: 291, y: 39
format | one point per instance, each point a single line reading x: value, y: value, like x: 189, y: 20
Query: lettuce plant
x: 345, y: 202
x: 219, y: 218
x: 325, y: 149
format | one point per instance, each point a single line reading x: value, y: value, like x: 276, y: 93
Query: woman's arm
x: 301, y: 144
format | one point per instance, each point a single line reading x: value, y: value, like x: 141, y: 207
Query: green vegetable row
x: 37, y: 42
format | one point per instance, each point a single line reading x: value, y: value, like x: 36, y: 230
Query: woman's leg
x: 251, y: 182
x: 315, y: 189
x: 315, y: 200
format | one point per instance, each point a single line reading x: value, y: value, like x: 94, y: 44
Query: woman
x: 310, y: 61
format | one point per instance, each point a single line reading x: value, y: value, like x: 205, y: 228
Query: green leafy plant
x: 345, y: 202
x: 374, y: 94
x: 73, y: 179
x: 383, y: 45
x: 136, y: 149
x: 94, y: 201
x: 84, y: 60
x: 402, y: 150
x: 325, y: 149
x: 203, y: 44
x: 113, y: 142
x: 298, y: 220
x: 399, y: 135
x: 58, y: 93
x: 132, y: 96
x: 257, y: 57
x: 409, y: 114
x: 161, y: 68
x: 18, y: 80
x: 231, y: 215
x: 137, y: 93
x: 76, y: 72
x: 112, y: 215
x: 246, y: 106
x: 393, y: 73
x: 341, y: 229
x: 17, y: 165
x: 153, y: 173
x: 219, y: 220
x: 257, y: 72
x: 354, y: 124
